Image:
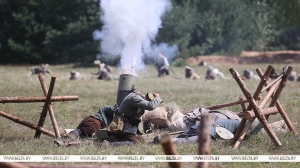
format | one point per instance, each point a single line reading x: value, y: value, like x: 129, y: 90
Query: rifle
x: 170, y: 133
x: 176, y: 76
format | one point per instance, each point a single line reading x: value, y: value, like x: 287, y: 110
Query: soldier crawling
x: 40, y: 69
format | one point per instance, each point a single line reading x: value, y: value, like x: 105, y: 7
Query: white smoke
x: 130, y: 27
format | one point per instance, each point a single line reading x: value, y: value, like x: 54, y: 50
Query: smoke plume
x: 129, y: 29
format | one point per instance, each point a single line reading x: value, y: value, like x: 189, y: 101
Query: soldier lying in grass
x: 132, y: 108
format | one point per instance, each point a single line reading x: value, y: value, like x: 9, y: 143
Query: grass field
x: 16, y: 139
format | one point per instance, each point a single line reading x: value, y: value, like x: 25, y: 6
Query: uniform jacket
x: 134, y: 106
x: 162, y: 63
x: 191, y: 118
x: 105, y: 114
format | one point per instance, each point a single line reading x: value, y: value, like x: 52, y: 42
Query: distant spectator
x: 248, y: 74
x: 213, y: 73
x: 40, y: 69
x: 190, y: 73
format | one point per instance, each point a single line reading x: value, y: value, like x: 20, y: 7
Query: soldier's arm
x: 140, y: 102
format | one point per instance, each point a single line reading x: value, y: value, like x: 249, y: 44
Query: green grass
x: 16, y: 139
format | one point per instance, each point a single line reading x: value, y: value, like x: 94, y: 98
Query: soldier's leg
x: 167, y: 71
x: 192, y: 139
x: 127, y: 137
x: 87, y: 127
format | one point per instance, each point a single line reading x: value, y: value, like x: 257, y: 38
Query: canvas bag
x: 116, y: 125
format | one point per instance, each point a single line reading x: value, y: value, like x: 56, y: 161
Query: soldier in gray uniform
x: 162, y: 65
x: 293, y: 76
x: 74, y: 75
x: 41, y: 69
x: 132, y: 108
x: 104, y: 72
x: 90, y: 124
x: 248, y: 74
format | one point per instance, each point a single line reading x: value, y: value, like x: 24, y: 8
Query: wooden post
x: 51, y: 112
x: 12, y: 165
x: 266, y: 111
x: 269, y: 94
x: 29, y: 99
x: 226, y: 105
x: 239, y: 137
x: 256, y: 109
x: 45, y: 108
x: 251, y: 115
x: 204, y: 139
x: 271, y: 84
x: 243, y: 104
x: 27, y: 124
x: 169, y: 149
x: 277, y: 103
x: 281, y: 86
x: 31, y: 165
x: 261, y: 84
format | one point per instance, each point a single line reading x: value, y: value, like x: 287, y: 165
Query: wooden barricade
x: 258, y: 111
x: 47, y: 106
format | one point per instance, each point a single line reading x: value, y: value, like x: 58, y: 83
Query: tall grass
x: 16, y: 139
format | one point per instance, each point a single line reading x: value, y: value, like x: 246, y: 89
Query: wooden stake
x: 51, y: 112
x: 12, y: 165
x: 169, y: 149
x: 242, y: 125
x: 243, y: 104
x: 204, y: 139
x: 274, y: 81
x: 45, y: 108
x: 278, y: 104
x: 266, y: 111
x: 226, y: 105
x: 31, y: 165
x: 28, y: 99
x: 27, y: 124
x: 256, y: 109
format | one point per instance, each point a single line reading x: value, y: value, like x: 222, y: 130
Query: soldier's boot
x: 75, y: 134
x: 60, y: 143
x: 105, y: 144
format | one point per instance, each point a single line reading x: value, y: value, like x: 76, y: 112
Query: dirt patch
x: 249, y: 57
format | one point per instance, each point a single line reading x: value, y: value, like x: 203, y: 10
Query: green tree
x: 48, y: 31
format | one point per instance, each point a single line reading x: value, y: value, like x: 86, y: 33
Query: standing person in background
x: 190, y: 73
x: 162, y: 65
x: 40, y: 69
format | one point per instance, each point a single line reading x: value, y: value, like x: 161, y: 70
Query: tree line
x: 58, y: 32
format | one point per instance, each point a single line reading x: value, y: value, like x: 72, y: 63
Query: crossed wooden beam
x: 47, y: 106
x: 254, y: 110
